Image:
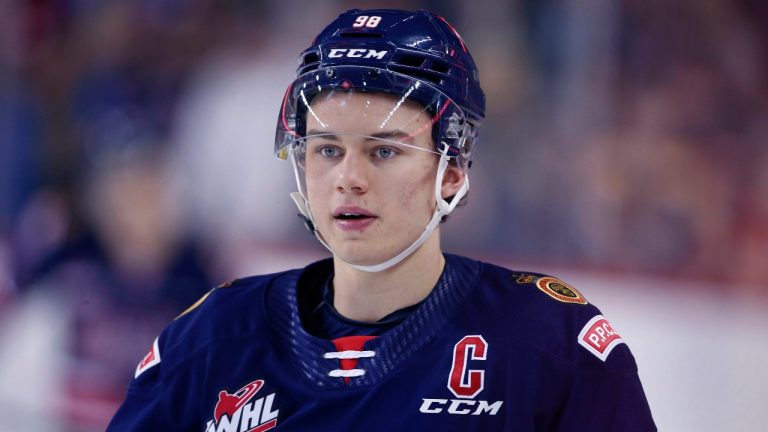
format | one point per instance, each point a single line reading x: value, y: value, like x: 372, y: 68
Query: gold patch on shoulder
x: 560, y: 290
x: 525, y: 279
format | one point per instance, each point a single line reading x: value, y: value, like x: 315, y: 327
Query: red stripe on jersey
x: 350, y: 343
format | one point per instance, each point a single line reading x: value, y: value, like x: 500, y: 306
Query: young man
x: 390, y: 334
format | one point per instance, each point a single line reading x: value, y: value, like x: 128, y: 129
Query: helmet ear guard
x: 461, y: 136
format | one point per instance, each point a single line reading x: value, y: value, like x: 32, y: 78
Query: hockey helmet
x: 415, y: 56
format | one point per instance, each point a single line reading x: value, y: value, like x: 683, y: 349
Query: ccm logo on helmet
x: 365, y: 53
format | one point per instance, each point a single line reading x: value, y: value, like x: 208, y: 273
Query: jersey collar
x: 305, y: 352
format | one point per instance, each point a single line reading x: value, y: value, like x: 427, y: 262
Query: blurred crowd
x: 136, y: 165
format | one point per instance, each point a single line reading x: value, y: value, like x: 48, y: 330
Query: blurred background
x: 624, y: 150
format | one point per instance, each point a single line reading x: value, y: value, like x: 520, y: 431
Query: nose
x: 352, y: 174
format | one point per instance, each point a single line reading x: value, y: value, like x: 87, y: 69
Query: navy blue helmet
x: 417, y: 56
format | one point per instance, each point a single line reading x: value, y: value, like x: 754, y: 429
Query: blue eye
x: 385, y: 152
x: 328, y: 151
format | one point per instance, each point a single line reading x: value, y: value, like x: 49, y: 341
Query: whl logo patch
x: 241, y: 411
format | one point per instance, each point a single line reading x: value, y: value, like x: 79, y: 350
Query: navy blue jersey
x: 488, y: 350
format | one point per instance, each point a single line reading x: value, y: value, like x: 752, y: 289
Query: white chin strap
x: 442, y: 209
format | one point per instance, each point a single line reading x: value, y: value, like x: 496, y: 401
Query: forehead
x: 366, y: 113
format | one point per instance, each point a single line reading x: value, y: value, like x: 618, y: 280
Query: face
x: 370, y: 198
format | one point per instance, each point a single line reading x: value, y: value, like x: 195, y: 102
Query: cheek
x: 317, y: 192
x: 314, y: 180
x: 417, y: 195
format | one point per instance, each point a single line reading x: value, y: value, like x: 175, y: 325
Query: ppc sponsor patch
x: 152, y: 358
x: 599, y: 338
x: 560, y: 290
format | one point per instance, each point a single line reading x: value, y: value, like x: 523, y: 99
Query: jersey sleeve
x: 606, y: 402
x: 156, y: 398
x: 161, y: 396
x: 605, y: 392
x: 140, y: 412
x: 601, y: 390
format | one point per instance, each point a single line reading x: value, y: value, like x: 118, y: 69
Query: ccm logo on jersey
x: 364, y: 53
x: 464, y: 382
x: 599, y: 338
x: 240, y: 412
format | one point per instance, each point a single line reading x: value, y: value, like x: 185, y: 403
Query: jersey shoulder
x: 225, y: 304
x: 553, y: 316
x: 534, y: 291
x: 232, y: 310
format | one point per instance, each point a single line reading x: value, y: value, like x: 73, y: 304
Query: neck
x: 368, y: 297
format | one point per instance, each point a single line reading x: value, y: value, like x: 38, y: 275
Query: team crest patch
x: 242, y: 411
x: 152, y: 358
x: 599, y: 337
x: 560, y: 290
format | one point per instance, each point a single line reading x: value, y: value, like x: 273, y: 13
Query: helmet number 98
x: 366, y: 21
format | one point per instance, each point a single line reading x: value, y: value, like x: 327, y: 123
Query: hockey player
x: 389, y: 334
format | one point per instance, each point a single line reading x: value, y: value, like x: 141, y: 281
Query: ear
x: 452, y: 181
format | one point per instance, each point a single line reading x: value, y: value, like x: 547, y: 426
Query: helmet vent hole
x: 440, y: 67
x: 410, y: 60
x: 423, y: 74
x: 312, y: 57
x: 309, y: 62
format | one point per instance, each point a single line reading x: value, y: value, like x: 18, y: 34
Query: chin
x: 361, y: 254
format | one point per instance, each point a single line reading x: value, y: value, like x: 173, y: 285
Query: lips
x: 351, y: 218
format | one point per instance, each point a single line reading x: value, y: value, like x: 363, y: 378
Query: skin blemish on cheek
x: 406, y: 197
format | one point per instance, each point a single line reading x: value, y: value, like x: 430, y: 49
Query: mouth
x: 351, y: 212
x: 353, y: 218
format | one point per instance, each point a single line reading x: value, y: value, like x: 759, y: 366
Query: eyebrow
x: 386, y: 135
x: 393, y: 134
x: 327, y: 135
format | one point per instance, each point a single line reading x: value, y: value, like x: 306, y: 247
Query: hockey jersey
x: 489, y: 349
